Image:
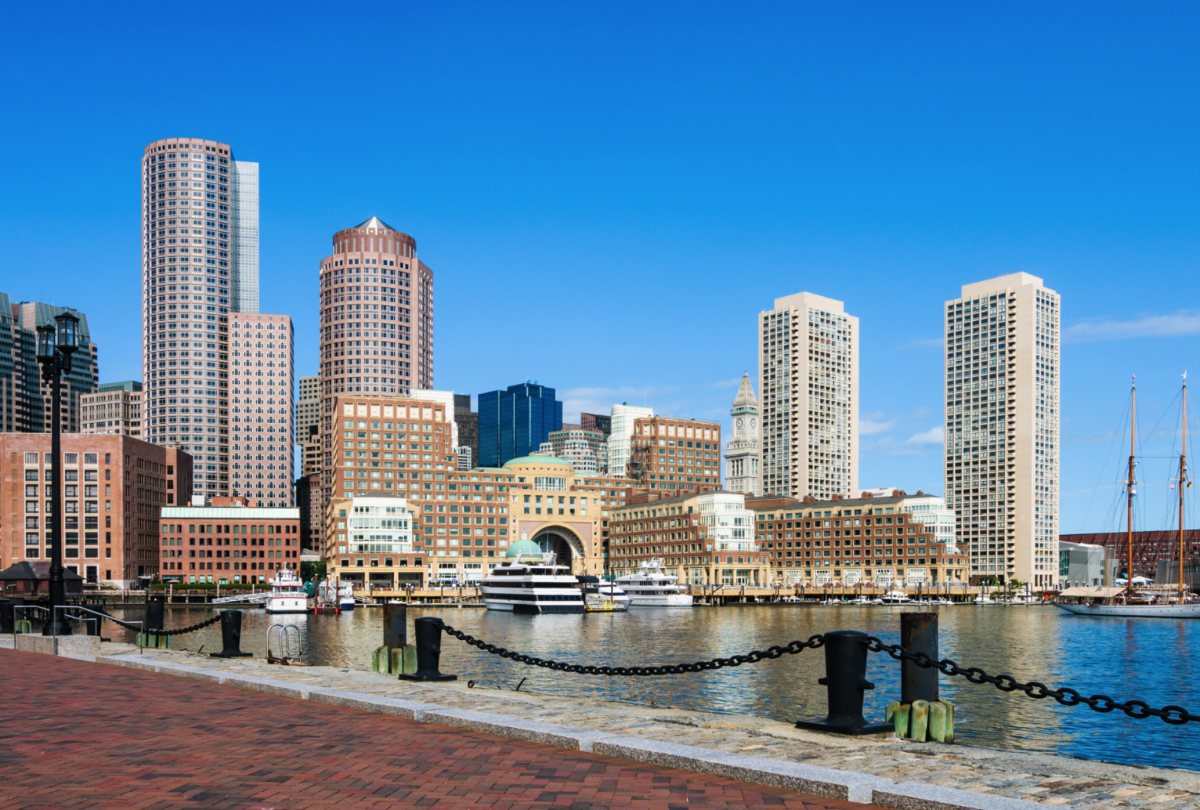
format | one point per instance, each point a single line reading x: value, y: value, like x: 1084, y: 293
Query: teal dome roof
x: 523, y: 547
x: 537, y: 460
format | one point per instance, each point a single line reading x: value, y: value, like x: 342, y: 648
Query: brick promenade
x: 80, y: 735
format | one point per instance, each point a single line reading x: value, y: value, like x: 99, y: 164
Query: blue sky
x: 608, y: 194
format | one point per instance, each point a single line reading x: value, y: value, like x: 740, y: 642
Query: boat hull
x: 287, y: 605
x: 533, y: 608
x: 666, y: 600
x: 1136, y: 611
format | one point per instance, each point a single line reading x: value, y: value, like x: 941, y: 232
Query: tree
x: 312, y: 570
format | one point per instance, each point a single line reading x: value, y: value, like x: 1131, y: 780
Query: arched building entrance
x: 566, y: 545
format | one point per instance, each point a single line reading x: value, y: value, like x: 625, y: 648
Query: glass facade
x: 515, y: 422
x: 245, y: 237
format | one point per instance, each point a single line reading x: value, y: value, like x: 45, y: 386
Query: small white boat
x: 984, y: 599
x: 896, y: 597
x: 612, y: 592
x: 866, y: 600
x: 339, y: 593
x: 650, y: 587
x: 287, y: 593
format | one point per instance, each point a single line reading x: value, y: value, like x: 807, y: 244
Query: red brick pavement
x: 81, y: 735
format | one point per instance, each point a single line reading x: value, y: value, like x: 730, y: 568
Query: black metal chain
x: 752, y: 657
x: 179, y: 631
x: 1137, y: 709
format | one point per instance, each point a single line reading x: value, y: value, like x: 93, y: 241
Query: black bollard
x: 429, y: 650
x: 395, y: 626
x: 846, y: 680
x: 153, y: 618
x: 231, y: 635
x: 8, y: 615
x: 918, y: 634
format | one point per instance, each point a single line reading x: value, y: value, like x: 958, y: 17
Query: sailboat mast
x: 1182, y: 483
x: 1129, y: 493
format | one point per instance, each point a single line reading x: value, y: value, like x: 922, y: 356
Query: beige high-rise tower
x: 808, y: 386
x: 1002, y: 377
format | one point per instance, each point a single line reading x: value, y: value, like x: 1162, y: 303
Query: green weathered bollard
x: 408, y: 659
x: 901, y: 718
x: 919, y: 720
x: 937, y: 721
x: 24, y: 626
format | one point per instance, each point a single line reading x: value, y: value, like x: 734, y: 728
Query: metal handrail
x: 285, y: 645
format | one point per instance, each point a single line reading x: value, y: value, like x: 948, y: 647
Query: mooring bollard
x: 429, y: 651
x: 846, y: 680
x: 152, y: 619
x: 918, y: 634
x: 396, y: 656
x: 231, y: 635
x: 8, y: 615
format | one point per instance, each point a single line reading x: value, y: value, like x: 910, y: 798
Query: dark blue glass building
x: 514, y: 423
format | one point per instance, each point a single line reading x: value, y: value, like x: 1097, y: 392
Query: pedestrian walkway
x: 80, y: 735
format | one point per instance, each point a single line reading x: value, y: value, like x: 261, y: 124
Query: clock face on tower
x: 739, y: 423
x: 753, y: 423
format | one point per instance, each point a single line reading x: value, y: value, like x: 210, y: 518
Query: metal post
x: 429, y: 651
x: 57, y: 624
x: 846, y: 680
x: 231, y: 635
x: 395, y: 626
x: 918, y: 634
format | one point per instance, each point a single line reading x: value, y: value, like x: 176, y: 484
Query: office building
x: 621, y: 434
x: 113, y: 490
x: 601, y: 423
x: 515, y: 422
x: 675, y: 455
x: 468, y: 426
x: 24, y: 396
x: 930, y: 510
x: 587, y: 450
x: 308, y: 408
x: 308, y: 501
x: 1002, y: 376
x: 261, y: 421
x: 377, y: 529
x: 705, y: 539
x: 199, y: 267
x: 870, y: 540
x: 808, y: 384
x: 465, y: 459
x: 742, y: 452
x: 114, y: 408
x: 233, y: 540
x: 1085, y: 565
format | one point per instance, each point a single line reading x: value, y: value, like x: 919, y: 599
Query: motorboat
x: 340, y: 594
x: 866, y: 600
x: 984, y: 599
x: 651, y: 587
x: 287, y: 593
x: 530, y: 581
x: 896, y: 597
x: 606, y: 590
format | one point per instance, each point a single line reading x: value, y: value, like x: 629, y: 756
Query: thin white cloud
x: 868, y: 427
x: 935, y: 435
x: 1177, y: 325
x: 925, y: 343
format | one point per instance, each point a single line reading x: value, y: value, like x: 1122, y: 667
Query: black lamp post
x: 54, y: 349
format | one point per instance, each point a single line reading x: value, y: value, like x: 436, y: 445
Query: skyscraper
x: 261, y: 423
x: 24, y: 395
x: 808, y: 381
x: 620, y: 436
x: 1002, y: 369
x: 741, y: 454
x: 515, y: 422
x: 199, y: 268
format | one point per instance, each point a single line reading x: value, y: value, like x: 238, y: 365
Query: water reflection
x: 1151, y: 660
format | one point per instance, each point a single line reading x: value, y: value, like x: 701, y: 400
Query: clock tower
x: 742, y: 452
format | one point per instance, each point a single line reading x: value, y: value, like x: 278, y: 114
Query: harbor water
x: 1157, y: 661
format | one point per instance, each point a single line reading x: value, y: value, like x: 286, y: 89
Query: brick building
x: 850, y: 541
x: 675, y: 456
x: 1149, y: 548
x: 231, y: 541
x: 702, y: 538
x: 114, y: 488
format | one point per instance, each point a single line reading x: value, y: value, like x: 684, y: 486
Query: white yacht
x: 896, y: 597
x: 340, y: 594
x: 529, y: 581
x: 287, y: 594
x: 613, y: 593
x: 650, y: 587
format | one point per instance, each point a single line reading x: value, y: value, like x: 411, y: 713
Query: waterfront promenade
x: 79, y: 734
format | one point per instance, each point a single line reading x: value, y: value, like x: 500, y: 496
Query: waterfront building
x: 1085, y: 565
x: 24, y: 395
x: 232, y: 540
x: 808, y: 382
x: 468, y: 427
x: 113, y: 490
x: 1154, y: 552
x: 602, y: 423
x: 675, y: 455
x: 261, y: 422
x: 199, y: 266
x: 705, y: 538
x: 371, y: 541
x: 587, y: 450
x: 114, y: 408
x: 1002, y: 393
x: 930, y: 510
x: 376, y: 323
x: 515, y: 422
x: 620, y: 435
x: 742, y: 452
x: 852, y: 540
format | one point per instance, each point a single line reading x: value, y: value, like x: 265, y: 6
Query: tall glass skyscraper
x: 514, y: 422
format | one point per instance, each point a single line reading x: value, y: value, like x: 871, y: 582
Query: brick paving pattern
x: 79, y: 735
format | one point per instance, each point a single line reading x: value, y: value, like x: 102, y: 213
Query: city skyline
x: 892, y: 221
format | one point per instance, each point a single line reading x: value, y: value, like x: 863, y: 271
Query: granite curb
x: 815, y: 780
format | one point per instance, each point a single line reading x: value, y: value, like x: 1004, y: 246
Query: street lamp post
x: 55, y: 345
